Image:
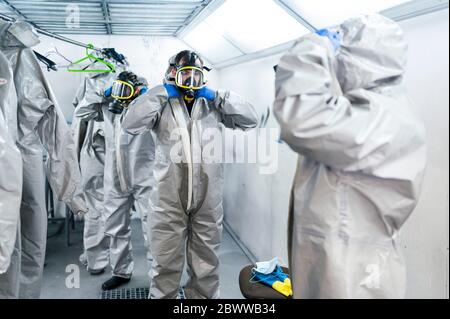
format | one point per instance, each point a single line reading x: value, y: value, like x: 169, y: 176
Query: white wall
x: 256, y: 206
x: 148, y: 57
x: 426, y: 235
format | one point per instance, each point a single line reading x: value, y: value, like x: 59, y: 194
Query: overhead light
x: 326, y: 13
x: 255, y: 25
x: 211, y: 44
x: 240, y: 27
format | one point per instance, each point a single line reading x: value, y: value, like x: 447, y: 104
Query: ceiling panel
x: 138, y: 17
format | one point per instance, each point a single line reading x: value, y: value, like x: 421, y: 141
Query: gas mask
x: 190, y: 79
x: 124, y: 90
x: 190, y: 75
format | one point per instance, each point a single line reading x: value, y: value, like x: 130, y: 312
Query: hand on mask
x: 334, y: 38
x: 108, y: 92
x: 143, y: 90
x: 206, y: 93
x: 172, y: 90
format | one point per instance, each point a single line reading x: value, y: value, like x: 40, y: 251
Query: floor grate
x: 133, y: 294
x: 126, y: 294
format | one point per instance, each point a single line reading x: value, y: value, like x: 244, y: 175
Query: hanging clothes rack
x: 51, y: 34
x: 109, y: 52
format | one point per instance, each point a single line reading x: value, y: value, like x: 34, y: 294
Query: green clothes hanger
x: 92, y: 58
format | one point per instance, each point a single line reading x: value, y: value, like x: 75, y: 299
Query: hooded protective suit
x: 187, y: 198
x: 127, y: 175
x: 363, y: 160
x: 90, y: 141
x: 41, y: 124
x: 10, y: 168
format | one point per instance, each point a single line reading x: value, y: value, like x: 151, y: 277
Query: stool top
x: 257, y: 290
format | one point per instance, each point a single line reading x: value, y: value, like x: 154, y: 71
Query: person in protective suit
x: 10, y: 168
x: 187, y: 212
x: 90, y: 141
x: 127, y: 174
x: 40, y: 125
x: 341, y: 105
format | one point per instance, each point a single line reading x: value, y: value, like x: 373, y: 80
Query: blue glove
x: 108, y: 92
x: 277, y: 280
x: 334, y: 38
x: 280, y: 274
x: 206, y: 93
x: 172, y: 90
x: 143, y: 90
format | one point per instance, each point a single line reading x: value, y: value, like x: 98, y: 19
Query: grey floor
x: 61, y: 260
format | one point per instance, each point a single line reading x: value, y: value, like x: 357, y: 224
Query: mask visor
x: 190, y: 78
x: 122, y: 90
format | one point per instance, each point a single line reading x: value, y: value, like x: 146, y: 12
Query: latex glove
x: 108, y: 92
x: 143, y: 90
x: 334, y: 37
x: 206, y: 93
x: 271, y: 280
x: 172, y: 90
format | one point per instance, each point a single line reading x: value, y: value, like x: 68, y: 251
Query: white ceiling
x: 223, y: 31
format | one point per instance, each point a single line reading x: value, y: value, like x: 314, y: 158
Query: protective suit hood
x: 18, y: 34
x: 373, y: 52
x: 167, y: 76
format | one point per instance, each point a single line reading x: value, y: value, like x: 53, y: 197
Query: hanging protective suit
x: 41, y: 124
x: 10, y: 168
x: 363, y: 160
x: 90, y: 141
x: 10, y: 196
x: 187, y: 198
x: 122, y: 187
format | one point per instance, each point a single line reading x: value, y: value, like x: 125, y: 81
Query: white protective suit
x: 127, y: 176
x: 90, y: 141
x: 362, y: 164
x: 187, y: 212
x: 41, y: 124
x: 10, y: 168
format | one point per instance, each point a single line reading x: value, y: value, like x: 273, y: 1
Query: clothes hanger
x: 47, y: 62
x: 54, y: 51
x: 90, y: 57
